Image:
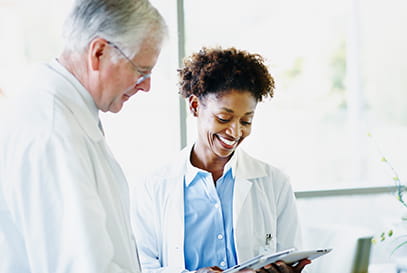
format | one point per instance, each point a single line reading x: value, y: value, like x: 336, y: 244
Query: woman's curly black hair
x: 214, y: 70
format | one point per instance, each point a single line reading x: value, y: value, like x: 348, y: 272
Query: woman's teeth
x: 226, y: 141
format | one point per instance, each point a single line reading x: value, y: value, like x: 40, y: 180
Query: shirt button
x: 217, y: 205
x: 222, y: 263
x: 220, y: 236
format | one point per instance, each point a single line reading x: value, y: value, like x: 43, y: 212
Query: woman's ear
x: 193, y: 104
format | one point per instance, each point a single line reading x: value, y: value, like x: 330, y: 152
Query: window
x: 339, y: 73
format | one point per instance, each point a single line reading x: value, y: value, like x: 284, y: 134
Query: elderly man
x: 63, y: 197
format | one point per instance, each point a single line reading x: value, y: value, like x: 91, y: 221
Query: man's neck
x: 76, y: 65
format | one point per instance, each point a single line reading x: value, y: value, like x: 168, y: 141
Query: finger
x: 216, y: 269
x: 213, y: 269
x: 247, y: 271
x: 270, y: 268
x: 260, y: 270
x: 283, y: 267
x: 301, y: 264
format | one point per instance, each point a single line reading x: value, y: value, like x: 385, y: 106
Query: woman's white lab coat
x: 263, y: 206
x: 63, y: 197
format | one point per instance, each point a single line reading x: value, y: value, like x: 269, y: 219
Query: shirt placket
x: 219, y: 234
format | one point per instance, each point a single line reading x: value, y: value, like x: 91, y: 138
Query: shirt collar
x: 192, y: 171
x: 80, y: 103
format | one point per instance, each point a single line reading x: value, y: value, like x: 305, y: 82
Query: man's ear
x: 97, y: 50
x: 193, y: 104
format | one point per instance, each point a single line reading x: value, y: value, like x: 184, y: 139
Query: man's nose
x: 145, y: 85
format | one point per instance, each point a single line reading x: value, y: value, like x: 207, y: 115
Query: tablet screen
x: 289, y: 256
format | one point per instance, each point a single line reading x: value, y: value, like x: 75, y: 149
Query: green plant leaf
x: 382, y: 236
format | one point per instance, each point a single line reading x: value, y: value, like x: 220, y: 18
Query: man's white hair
x: 126, y: 23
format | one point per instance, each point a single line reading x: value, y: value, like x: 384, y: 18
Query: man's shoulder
x: 37, y: 120
x: 37, y: 112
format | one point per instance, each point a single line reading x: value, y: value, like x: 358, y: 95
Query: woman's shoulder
x: 258, y: 170
x: 256, y: 165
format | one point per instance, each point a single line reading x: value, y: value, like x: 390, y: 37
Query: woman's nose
x: 235, y: 130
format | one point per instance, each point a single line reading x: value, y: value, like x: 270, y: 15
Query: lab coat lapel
x: 241, y: 190
x: 246, y: 173
x: 175, y: 214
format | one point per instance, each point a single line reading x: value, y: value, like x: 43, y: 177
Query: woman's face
x: 223, y: 121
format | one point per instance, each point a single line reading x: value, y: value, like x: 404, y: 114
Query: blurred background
x: 340, y: 104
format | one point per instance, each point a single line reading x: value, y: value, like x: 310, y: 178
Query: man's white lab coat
x: 263, y: 207
x: 63, y: 197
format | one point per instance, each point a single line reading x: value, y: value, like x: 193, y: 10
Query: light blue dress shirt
x: 209, y: 239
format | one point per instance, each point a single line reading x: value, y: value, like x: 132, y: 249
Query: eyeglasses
x: 143, y: 76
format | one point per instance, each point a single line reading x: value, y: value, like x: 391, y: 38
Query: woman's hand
x: 282, y: 267
x: 209, y: 269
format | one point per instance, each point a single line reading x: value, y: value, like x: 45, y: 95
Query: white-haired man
x: 63, y: 197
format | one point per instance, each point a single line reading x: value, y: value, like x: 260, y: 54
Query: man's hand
x: 282, y: 267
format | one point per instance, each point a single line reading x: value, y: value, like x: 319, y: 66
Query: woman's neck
x: 206, y: 160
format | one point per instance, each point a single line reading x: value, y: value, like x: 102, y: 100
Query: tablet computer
x: 259, y: 261
x: 289, y: 256
x: 299, y: 255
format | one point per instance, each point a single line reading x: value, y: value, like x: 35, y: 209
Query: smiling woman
x: 227, y: 205
x: 224, y: 121
x: 223, y: 88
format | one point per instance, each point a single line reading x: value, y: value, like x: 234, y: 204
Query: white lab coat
x: 63, y: 197
x: 263, y: 203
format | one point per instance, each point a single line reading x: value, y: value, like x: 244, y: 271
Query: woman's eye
x: 246, y: 122
x: 222, y: 120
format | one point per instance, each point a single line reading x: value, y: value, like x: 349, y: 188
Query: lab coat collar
x: 247, y: 167
x: 191, y: 171
x: 77, y: 99
x: 231, y: 165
